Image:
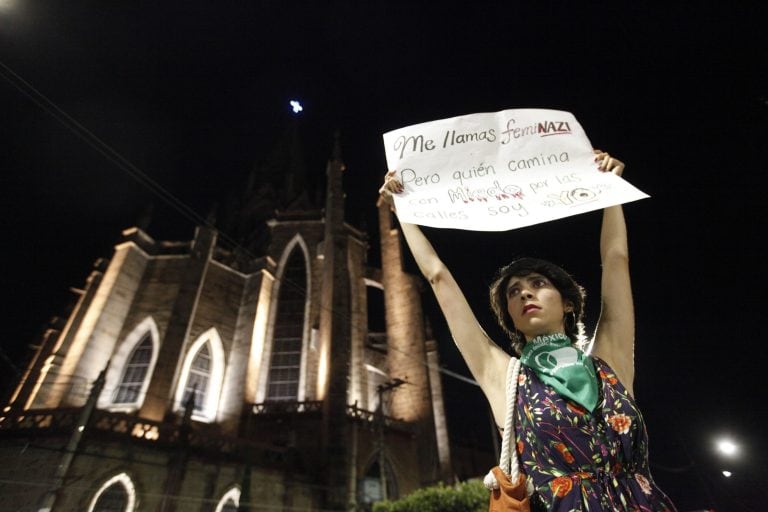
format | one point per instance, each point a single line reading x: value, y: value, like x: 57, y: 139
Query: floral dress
x: 582, y: 461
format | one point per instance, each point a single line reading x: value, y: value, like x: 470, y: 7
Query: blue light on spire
x: 296, y: 106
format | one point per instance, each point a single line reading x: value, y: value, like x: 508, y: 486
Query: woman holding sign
x: 579, y: 435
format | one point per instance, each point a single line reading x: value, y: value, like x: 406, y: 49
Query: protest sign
x: 499, y: 171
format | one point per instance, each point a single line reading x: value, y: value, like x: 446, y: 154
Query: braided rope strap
x: 509, y: 462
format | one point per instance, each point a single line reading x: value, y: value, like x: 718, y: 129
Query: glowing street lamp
x: 727, y: 447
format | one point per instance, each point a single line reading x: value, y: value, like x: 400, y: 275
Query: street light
x: 727, y: 447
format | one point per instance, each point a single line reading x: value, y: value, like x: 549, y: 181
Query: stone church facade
x: 204, y: 376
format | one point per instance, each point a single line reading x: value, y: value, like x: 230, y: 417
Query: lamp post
x: 50, y: 497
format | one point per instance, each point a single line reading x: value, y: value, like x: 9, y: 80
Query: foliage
x: 469, y: 496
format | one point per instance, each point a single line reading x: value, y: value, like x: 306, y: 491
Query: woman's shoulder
x: 601, y: 366
x: 606, y: 375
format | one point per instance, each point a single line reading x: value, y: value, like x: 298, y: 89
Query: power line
x: 168, y: 197
x: 165, y: 195
x: 7, y: 360
x: 96, y: 143
x: 132, y: 458
x: 178, y: 498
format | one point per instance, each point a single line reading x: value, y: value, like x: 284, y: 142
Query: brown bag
x: 509, y: 497
x: 505, y: 495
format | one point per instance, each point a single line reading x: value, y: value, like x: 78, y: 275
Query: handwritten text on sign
x: 499, y: 171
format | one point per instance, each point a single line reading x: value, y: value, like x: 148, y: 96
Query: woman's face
x: 535, y: 305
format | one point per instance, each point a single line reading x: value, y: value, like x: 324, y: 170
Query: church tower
x: 261, y: 362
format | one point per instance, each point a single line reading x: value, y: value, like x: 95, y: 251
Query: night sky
x: 195, y: 94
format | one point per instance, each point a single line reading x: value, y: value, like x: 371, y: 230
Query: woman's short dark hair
x: 572, y: 293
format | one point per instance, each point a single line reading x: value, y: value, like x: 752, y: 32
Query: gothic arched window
x: 198, y: 378
x: 135, y: 372
x: 116, y: 495
x: 289, y: 326
x: 371, y: 487
x: 203, y: 373
x: 130, y: 368
x: 230, y: 501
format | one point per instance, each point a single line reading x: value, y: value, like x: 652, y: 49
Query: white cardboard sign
x: 499, y: 171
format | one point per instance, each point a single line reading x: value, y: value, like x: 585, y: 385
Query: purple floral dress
x: 582, y: 461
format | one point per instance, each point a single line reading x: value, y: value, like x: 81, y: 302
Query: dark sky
x: 194, y: 94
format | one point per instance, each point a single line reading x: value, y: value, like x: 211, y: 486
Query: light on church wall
x: 36, y: 389
x: 322, y: 371
x: 97, y: 332
x: 145, y: 431
x: 255, y: 390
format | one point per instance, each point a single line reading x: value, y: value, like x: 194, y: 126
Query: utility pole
x: 74, y: 442
x: 381, y: 389
x: 177, y: 462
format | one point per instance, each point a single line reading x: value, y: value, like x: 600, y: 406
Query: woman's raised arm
x: 486, y: 361
x: 615, y: 333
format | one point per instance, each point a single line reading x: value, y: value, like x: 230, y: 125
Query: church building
x: 261, y: 365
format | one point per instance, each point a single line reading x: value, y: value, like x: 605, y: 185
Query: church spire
x: 336, y: 154
x: 278, y: 187
x: 295, y: 171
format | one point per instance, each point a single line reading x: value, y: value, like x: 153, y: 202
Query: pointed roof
x: 285, y: 168
x: 278, y: 187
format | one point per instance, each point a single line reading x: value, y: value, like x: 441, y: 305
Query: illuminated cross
x: 296, y: 106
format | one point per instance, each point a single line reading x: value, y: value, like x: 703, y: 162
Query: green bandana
x: 564, y: 367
